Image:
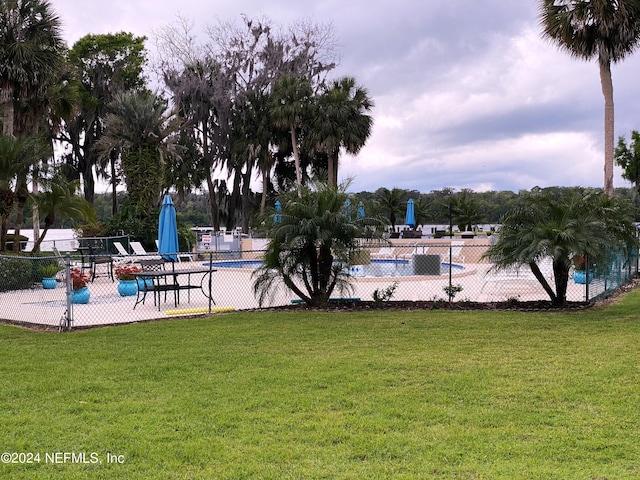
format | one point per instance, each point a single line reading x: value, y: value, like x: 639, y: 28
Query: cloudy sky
x: 467, y: 94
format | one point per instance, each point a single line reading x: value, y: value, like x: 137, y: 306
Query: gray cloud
x: 467, y: 93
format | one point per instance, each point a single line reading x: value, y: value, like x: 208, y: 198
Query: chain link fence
x: 39, y: 290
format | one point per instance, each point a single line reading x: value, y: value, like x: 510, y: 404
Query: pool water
x: 377, y: 267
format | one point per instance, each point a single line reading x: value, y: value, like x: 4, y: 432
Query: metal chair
x: 156, y: 285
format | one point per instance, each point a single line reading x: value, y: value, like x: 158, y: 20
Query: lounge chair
x: 123, y: 255
x: 456, y: 252
x: 139, y: 250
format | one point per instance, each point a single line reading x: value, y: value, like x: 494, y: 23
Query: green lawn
x: 268, y: 395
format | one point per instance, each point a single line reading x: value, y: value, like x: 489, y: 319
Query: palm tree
x: 289, y: 106
x: 309, y: 233
x: 16, y: 158
x: 60, y: 200
x: 392, y: 201
x: 561, y: 226
x: 605, y: 29
x: 340, y: 120
x: 31, y: 48
x: 466, y: 209
x: 142, y: 132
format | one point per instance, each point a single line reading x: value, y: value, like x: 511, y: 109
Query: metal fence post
x: 67, y: 275
x: 210, y: 279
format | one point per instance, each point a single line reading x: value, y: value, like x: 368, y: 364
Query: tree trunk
x: 332, y: 174
x: 296, y: 158
x: 325, y: 263
x: 4, y: 227
x: 213, y: 204
x: 332, y: 168
x: 543, y: 281
x: 265, y: 186
x: 35, y: 213
x: 21, y: 194
x: 48, y: 222
x: 561, y: 275
x: 114, y: 196
x: 6, y: 101
x: 607, y: 92
x: 235, y: 202
x: 246, y: 198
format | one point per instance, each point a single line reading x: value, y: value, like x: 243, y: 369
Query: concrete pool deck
x: 232, y: 289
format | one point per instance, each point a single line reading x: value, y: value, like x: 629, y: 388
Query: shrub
x: 15, y: 273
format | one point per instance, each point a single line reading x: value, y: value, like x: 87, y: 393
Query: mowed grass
x: 283, y: 395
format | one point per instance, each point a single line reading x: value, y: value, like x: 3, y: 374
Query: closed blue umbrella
x: 347, y: 209
x: 277, y: 218
x: 168, y: 230
x: 360, y: 210
x: 410, y: 218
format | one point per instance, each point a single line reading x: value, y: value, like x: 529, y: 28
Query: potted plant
x: 49, y: 272
x: 126, y: 275
x: 79, y: 282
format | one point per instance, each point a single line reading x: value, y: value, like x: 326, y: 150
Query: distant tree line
x: 468, y: 208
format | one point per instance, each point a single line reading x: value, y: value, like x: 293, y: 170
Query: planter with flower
x: 579, y: 272
x: 79, y: 282
x: 126, y: 275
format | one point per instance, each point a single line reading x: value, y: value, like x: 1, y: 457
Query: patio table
x: 180, y: 279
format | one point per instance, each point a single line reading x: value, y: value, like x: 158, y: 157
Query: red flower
x: 127, y: 272
x: 79, y: 280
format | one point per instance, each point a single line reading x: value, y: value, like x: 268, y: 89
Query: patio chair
x: 160, y: 284
x: 139, y: 250
x: 92, y: 259
x: 123, y: 255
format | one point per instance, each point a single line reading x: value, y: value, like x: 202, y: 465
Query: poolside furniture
x: 157, y: 279
x: 91, y: 260
x: 456, y: 252
x: 123, y: 256
x: 151, y: 281
x: 138, y: 249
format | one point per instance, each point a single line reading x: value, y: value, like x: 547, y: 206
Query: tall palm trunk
x: 22, y: 195
x: 265, y: 186
x: 246, y: 197
x: 6, y: 101
x: 332, y: 169
x: 6, y: 207
x: 607, y: 92
x: 35, y: 213
x: 296, y: 159
x: 114, y: 193
x: 48, y: 222
x: 213, y: 203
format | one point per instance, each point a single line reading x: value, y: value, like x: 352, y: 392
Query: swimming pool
x: 377, y: 268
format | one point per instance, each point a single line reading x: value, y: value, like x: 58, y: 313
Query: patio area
x: 232, y: 289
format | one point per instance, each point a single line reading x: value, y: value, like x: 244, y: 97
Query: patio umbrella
x: 360, y: 210
x: 347, y: 209
x: 168, y: 230
x: 277, y: 218
x: 410, y: 218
